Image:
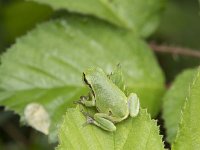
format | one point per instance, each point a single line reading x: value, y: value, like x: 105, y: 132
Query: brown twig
x: 175, y: 50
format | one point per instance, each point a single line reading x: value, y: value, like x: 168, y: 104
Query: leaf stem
x: 175, y: 50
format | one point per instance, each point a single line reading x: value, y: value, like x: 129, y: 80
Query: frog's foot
x: 89, y: 118
x: 86, y: 100
x: 80, y: 101
x: 77, y: 102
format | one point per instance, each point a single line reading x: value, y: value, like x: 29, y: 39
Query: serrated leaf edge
x: 183, y: 111
x: 155, y: 127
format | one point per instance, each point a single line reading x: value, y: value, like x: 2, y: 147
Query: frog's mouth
x: 87, y: 83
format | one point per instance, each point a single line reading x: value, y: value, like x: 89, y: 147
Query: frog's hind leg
x: 104, y: 121
x: 101, y: 120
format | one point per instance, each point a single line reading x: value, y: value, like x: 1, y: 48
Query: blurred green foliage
x: 180, y: 26
x: 17, y: 17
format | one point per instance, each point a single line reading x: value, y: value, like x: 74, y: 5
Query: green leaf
x: 173, y: 102
x: 117, y: 78
x: 140, y: 133
x: 188, y: 136
x: 141, y: 16
x: 46, y: 66
x: 16, y: 12
x: 55, y: 100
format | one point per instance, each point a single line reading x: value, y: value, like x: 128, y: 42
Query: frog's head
x: 92, y: 73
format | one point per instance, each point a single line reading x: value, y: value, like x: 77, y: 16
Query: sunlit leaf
x: 141, y: 16
x: 173, y: 102
x: 46, y: 65
x: 188, y: 136
x: 140, y: 133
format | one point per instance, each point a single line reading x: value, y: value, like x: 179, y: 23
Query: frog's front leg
x: 103, y: 121
x: 88, y: 101
x: 133, y: 104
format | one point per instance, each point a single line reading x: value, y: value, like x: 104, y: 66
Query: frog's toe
x: 77, y: 102
x: 89, y: 120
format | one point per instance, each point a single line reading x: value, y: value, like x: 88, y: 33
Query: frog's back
x: 108, y: 96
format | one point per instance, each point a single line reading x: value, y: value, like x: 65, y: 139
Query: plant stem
x: 175, y: 50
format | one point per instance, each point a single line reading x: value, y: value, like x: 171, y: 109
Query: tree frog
x: 110, y: 101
